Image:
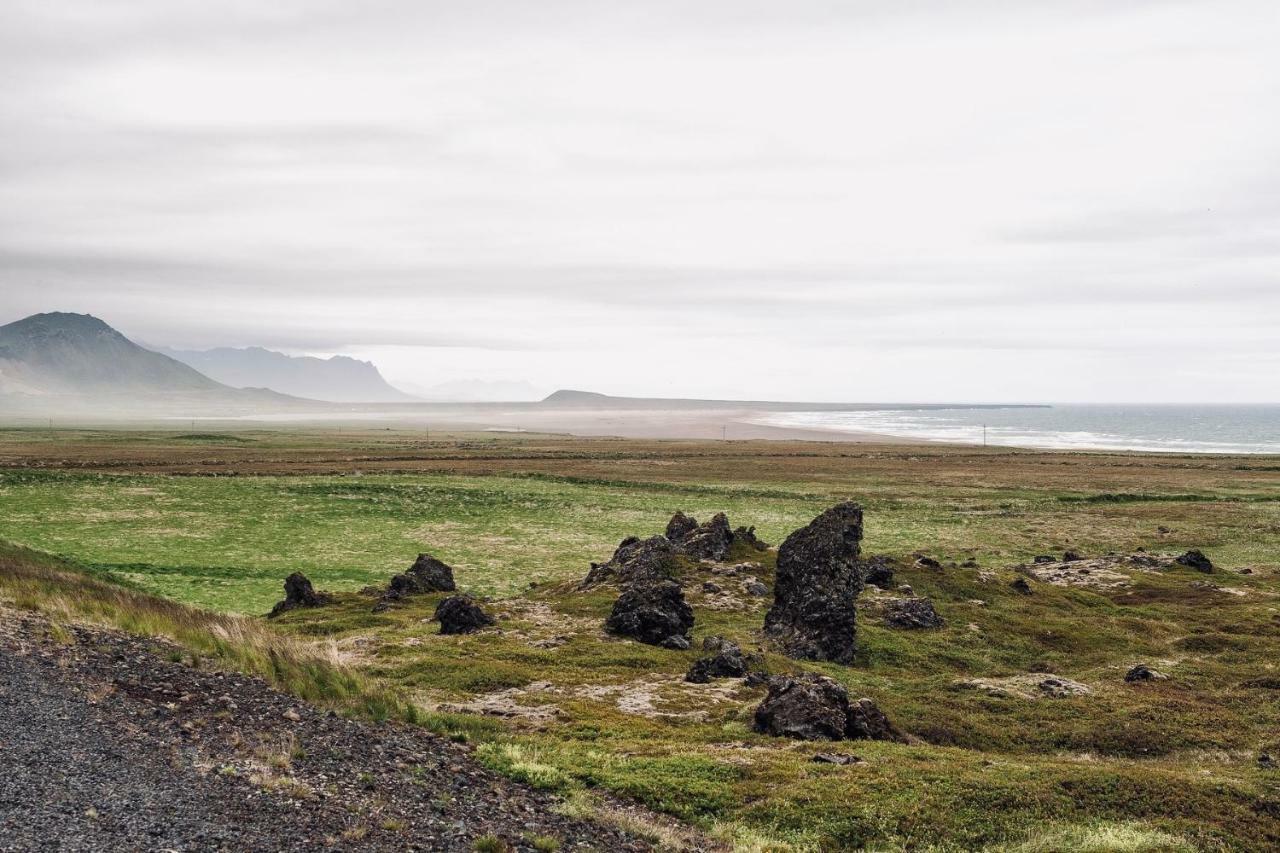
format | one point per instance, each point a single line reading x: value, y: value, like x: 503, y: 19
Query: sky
x: 827, y: 200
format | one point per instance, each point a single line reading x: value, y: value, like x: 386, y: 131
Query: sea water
x: 1165, y: 428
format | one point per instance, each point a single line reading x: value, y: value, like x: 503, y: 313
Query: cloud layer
x: 805, y: 200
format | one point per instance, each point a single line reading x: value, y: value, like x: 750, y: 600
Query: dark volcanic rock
x: 1142, y: 672
x: 814, y: 611
x: 1021, y: 585
x: 1194, y: 559
x: 1044, y: 558
x: 1071, y: 557
x: 814, y: 707
x: 298, y: 592
x: 710, y: 540
x: 636, y: 560
x: 756, y: 588
x: 868, y: 722
x: 427, y: 574
x: 926, y: 562
x: 911, y: 614
x: 653, y: 612
x: 680, y: 526
x: 728, y: 662
x: 835, y: 758
x: 747, y: 536
x: 878, y: 571
x: 460, y: 614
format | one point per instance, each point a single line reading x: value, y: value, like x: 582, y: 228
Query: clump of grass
x: 1101, y: 837
x: 543, y: 843
x: 57, y: 589
x: 490, y: 844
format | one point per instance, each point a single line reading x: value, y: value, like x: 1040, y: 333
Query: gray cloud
x: 705, y: 199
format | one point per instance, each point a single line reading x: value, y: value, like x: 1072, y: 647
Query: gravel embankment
x: 106, y: 745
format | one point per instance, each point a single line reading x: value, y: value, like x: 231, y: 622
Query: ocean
x: 1163, y: 428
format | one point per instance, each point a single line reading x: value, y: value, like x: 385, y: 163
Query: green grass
x: 1163, y: 766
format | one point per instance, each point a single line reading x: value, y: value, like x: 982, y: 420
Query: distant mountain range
x: 57, y: 353
x: 337, y: 379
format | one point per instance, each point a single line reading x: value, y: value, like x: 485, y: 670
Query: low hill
x: 61, y: 353
x: 339, y: 378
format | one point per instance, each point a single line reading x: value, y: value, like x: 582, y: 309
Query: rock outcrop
x: 747, y: 536
x: 653, y: 612
x: 298, y: 592
x: 1142, y: 672
x: 910, y: 614
x: 427, y: 574
x: 1195, y: 559
x: 461, y: 614
x: 680, y: 526
x: 814, y: 613
x: 711, y: 540
x: 729, y: 661
x: 636, y: 560
x: 814, y: 707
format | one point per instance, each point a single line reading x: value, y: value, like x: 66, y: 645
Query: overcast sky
x: 809, y: 199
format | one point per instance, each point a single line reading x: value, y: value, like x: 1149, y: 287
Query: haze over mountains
x: 339, y: 378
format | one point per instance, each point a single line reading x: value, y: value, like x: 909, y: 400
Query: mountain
x: 338, y: 379
x: 78, y: 354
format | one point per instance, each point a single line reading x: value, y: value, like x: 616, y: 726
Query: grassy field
x: 218, y: 520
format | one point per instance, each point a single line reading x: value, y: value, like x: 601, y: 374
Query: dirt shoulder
x: 106, y: 744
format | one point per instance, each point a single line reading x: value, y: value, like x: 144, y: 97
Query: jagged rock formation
x: 711, y: 540
x: 298, y: 592
x: 911, y: 614
x: 815, y: 707
x: 636, y: 560
x: 680, y: 526
x: 427, y: 574
x: 1142, y: 672
x: 653, y: 612
x: 814, y: 613
x: 460, y: 614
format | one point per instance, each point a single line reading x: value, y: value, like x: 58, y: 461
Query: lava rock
x: 711, y: 540
x: 636, y: 560
x: 711, y: 587
x: 427, y: 574
x: 728, y: 662
x: 814, y: 612
x: 815, y: 707
x: 653, y: 612
x: 680, y: 526
x: 1044, y: 558
x: 1194, y: 559
x: 878, y: 571
x: 460, y: 614
x: 1021, y: 585
x: 747, y: 536
x: 756, y: 588
x: 1071, y: 557
x: 927, y: 562
x: 911, y: 614
x: 1142, y: 672
x: 298, y: 592
x: 835, y: 758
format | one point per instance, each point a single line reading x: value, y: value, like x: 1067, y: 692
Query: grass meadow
x: 218, y: 521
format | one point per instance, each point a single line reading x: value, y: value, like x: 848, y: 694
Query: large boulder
x: 712, y: 540
x: 653, y: 612
x: 427, y: 574
x: 680, y: 526
x: 460, y: 614
x: 636, y: 560
x: 814, y: 612
x: 298, y: 592
x: 911, y: 614
x: 815, y: 707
